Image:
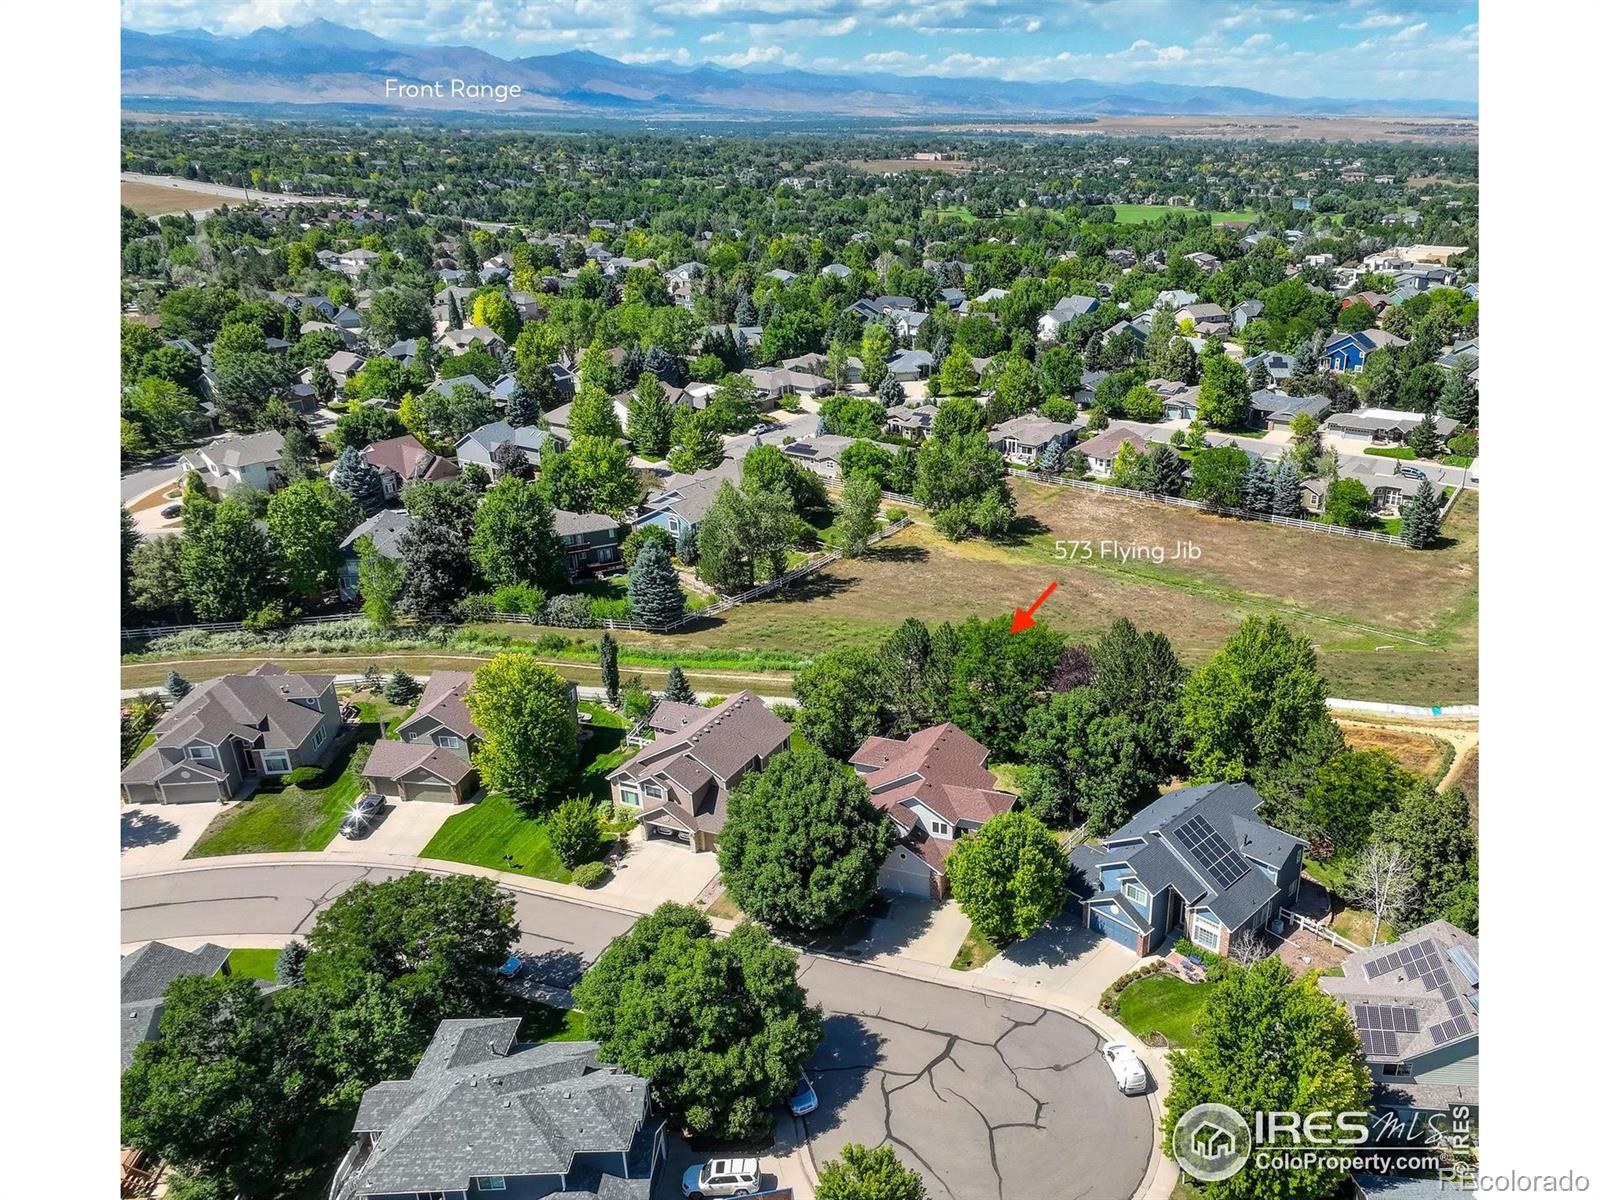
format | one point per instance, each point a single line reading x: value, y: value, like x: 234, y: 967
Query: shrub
x: 551, y: 643
x: 303, y: 776
x: 712, y: 701
x: 895, y: 514
x: 590, y: 874
x: 785, y: 713
x: 358, y: 758
x: 274, y: 614
x: 575, y: 832
x: 524, y: 599
x: 475, y: 608
x: 572, y: 609
x: 610, y: 609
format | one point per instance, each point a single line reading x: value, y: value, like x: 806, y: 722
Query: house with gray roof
x: 146, y: 972
x: 1415, y: 1006
x: 820, y: 452
x: 910, y: 365
x: 227, y: 735
x: 681, y: 500
x: 1271, y: 409
x: 430, y: 756
x: 485, y: 445
x: 458, y: 341
x: 1197, y: 863
x: 593, y: 541
x: 1022, y: 439
x: 680, y: 783
x: 385, y: 528
x: 1067, y: 310
x: 253, y: 460
x: 1386, y: 426
x: 484, y: 1114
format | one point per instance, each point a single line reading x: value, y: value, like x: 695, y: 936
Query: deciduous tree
x: 530, y: 733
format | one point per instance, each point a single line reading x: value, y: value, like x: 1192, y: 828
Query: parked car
x: 1412, y: 472
x: 363, y: 815
x: 510, y: 969
x: 803, y: 1099
x: 172, y: 510
x: 723, y: 1177
x: 1126, y: 1068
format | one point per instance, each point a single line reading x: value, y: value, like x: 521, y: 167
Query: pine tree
x: 402, y: 688
x: 453, y: 313
x: 1459, y: 399
x: 744, y: 309
x: 891, y: 392
x: 1424, y: 439
x: 655, y: 595
x: 177, y: 686
x: 1286, y: 489
x: 1050, y: 458
x: 522, y: 408
x: 1256, y: 490
x: 678, y: 688
x: 357, y: 478
x: 1420, y: 519
x: 291, y: 966
x: 1260, y: 377
x: 608, y: 668
x: 632, y: 364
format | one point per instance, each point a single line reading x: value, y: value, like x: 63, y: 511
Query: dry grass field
x: 155, y: 199
x: 1416, y: 751
x: 1271, y: 129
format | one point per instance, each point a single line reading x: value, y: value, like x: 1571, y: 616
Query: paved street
x: 991, y: 1099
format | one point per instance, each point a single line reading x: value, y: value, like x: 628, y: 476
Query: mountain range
x: 324, y: 63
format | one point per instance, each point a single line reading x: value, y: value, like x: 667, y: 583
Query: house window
x: 653, y: 791
x: 275, y: 762
x: 939, y: 828
x: 449, y: 741
x: 491, y: 1183
x: 629, y: 796
x: 1207, y: 936
x: 204, y: 753
x: 1135, y: 891
x: 1397, y: 1070
x: 320, y: 736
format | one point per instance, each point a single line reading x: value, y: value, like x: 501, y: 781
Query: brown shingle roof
x: 442, y: 700
x: 392, y: 759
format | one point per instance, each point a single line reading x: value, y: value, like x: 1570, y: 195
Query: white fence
x: 1180, y: 502
x: 1323, y: 931
x: 1435, y: 711
x: 155, y: 631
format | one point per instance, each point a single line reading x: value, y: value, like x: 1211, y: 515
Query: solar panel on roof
x: 1210, y: 850
x: 1437, y: 1032
x: 1465, y: 963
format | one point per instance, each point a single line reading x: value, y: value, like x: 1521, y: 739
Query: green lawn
x: 1404, y: 453
x: 975, y: 951
x: 1164, y: 1004
x: 545, y: 1023
x: 1456, y: 460
x: 250, y: 963
x: 1139, y: 214
x: 293, y: 818
x: 494, y: 833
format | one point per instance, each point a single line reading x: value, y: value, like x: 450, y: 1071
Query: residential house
x: 1179, y: 401
x: 910, y: 365
x: 1246, y: 311
x: 1022, y: 439
x: 593, y: 541
x: 1067, y: 310
x: 820, y: 453
x: 385, y: 528
x: 1348, y: 351
x: 1385, y: 426
x: 403, y: 352
x: 483, y: 1114
x: 254, y: 460
x: 430, y: 758
x: 353, y: 262
x: 1415, y: 1006
x: 456, y: 341
x: 1175, y: 298
x: 1271, y: 409
x: 782, y: 276
x: 817, y: 364
x: 1209, y: 320
x: 1280, y: 366
x: 1100, y: 451
x: 402, y: 460
x: 1380, y: 476
x: 146, y: 972
x: 1209, y: 263
x: 1197, y: 863
x: 772, y: 382
x: 934, y: 786
x: 681, y: 500
x: 342, y: 364
x: 680, y: 783
x: 228, y: 734
x: 914, y: 421
x: 1138, y: 330
x: 487, y: 445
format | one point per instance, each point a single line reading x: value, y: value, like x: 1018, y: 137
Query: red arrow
x: 1024, y: 617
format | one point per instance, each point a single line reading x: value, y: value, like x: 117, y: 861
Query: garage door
x: 1114, y: 930
x: 189, y: 793
x: 430, y: 790
x: 906, y: 874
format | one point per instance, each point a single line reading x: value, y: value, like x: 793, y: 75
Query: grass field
x: 1418, y: 752
x: 294, y: 818
x: 1163, y: 1004
x: 155, y: 199
x: 253, y: 963
x: 494, y: 833
x: 1139, y: 214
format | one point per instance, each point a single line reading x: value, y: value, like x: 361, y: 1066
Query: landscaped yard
x: 1164, y: 1004
x: 495, y: 833
x: 292, y: 818
x: 254, y: 963
x: 975, y: 951
x: 546, y: 1023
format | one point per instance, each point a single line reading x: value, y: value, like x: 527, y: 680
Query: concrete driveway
x: 159, y: 835
x: 1066, y: 960
x: 405, y: 829
x: 651, y: 872
x: 919, y: 930
x: 990, y: 1099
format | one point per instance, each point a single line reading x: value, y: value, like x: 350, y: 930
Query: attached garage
x: 905, y: 873
x: 1108, y: 926
x: 437, y: 790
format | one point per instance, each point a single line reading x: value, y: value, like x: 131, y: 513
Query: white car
x: 723, y: 1177
x: 1126, y: 1068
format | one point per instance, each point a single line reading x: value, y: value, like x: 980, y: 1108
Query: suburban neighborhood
x: 875, y: 660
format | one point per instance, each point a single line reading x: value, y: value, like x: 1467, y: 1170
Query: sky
x: 1343, y: 48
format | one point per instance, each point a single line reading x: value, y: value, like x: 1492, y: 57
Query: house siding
x: 1455, y: 1066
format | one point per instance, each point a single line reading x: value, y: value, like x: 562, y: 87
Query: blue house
x: 1348, y: 351
x: 1198, y: 862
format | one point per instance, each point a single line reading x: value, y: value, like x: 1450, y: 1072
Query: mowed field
x: 153, y: 199
x: 1389, y: 623
x: 1139, y: 214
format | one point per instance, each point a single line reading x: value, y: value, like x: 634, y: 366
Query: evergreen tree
x: 744, y: 309
x: 632, y: 364
x: 1260, y: 377
x: 1050, y: 458
x: 1162, y: 472
x: 1459, y: 399
x: 1304, y: 375
x: 1421, y: 517
x: 655, y: 594
x: 1255, y: 493
x: 1286, y: 489
x: 177, y: 686
x: 522, y: 408
x: 291, y: 966
x: 453, y: 313
x: 678, y: 688
x: 665, y: 366
x: 402, y: 688
x: 357, y: 478
x: 1424, y: 439
x: 608, y: 668
x: 891, y: 392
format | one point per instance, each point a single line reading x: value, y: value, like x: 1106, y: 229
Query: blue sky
x: 1350, y: 48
